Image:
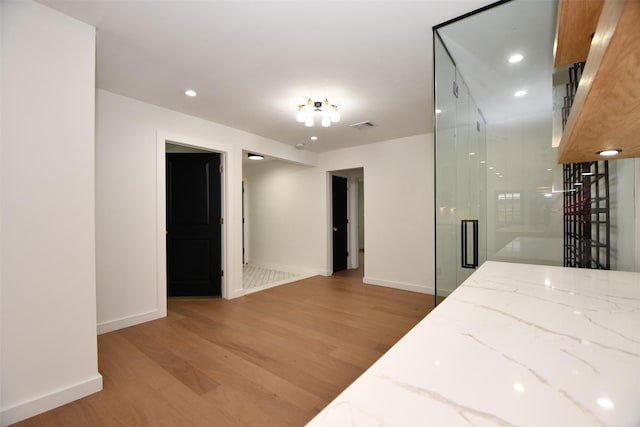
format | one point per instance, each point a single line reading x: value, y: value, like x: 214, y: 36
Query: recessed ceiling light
x: 299, y: 145
x: 608, y: 153
x: 548, y: 195
x: 472, y: 154
x: 491, y: 168
x: 515, y: 58
x: 520, y: 93
x: 549, y: 169
x: 252, y: 156
x: 482, y: 162
x: 438, y: 111
x: 190, y: 93
x: 314, y: 138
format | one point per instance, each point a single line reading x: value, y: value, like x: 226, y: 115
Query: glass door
x: 460, y: 160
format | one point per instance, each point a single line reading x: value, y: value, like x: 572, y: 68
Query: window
x: 508, y: 209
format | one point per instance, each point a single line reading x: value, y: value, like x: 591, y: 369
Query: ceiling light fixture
x: 515, y: 58
x: 314, y: 138
x: 191, y: 93
x: 438, y: 111
x: 252, y: 156
x: 609, y: 153
x: 328, y: 113
x: 520, y: 93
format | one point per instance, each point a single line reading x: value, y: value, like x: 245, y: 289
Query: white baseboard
x: 125, y: 322
x: 50, y: 401
x: 235, y: 293
x: 399, y: 285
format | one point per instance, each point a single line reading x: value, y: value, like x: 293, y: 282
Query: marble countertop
x: 514, y: 345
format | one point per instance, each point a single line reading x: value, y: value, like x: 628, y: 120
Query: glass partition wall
x: 460, y: 176
x: 499, y: 187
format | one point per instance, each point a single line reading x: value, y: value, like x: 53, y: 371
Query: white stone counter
x: 514, y: 345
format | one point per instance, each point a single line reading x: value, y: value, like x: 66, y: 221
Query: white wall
x: 398, y: 209
x: 130, y: 141
x: 285, y: 216
x: 290, y: 222
x: 48, y: 311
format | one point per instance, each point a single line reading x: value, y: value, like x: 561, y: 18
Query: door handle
x: 464, y: 241
x: 335, y: 228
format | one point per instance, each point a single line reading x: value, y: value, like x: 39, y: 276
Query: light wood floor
x: 273, y: 358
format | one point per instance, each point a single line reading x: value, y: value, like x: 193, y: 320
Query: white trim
x: 125, y: 322
x: 399, y: 285
x: 161, y: 230
x: 50, y: 401
x: 352, y: 235
x: 329, y: 221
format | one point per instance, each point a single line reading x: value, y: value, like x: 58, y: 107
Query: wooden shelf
x: 606, y: 110
x: 577, y: 22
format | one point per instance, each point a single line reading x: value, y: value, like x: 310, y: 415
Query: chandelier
x: 307, y: 113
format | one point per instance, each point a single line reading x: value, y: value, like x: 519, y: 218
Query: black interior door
x: 194, y: 246
x: 340, y: 221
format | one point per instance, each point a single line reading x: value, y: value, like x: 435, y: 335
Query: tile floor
x: 256, y: 277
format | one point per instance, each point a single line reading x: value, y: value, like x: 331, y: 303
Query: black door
x: 194, y: 254
x: 339, y: 200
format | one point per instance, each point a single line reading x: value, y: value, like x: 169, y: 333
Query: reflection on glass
x: 494, y: 151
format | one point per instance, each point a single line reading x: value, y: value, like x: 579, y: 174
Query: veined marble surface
x: 514, y: 345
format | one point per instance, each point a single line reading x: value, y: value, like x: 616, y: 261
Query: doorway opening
x: 275, y: 203
x: 346, y: 215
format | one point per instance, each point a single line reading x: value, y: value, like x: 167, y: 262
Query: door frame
x: 352, y: 216
x: 161, y: 214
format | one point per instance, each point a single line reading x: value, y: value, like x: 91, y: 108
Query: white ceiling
x: 253, y: 62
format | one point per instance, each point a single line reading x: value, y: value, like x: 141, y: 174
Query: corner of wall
x: 50, y: 401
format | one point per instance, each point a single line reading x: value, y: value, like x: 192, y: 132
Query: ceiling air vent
x: 362, y: 125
